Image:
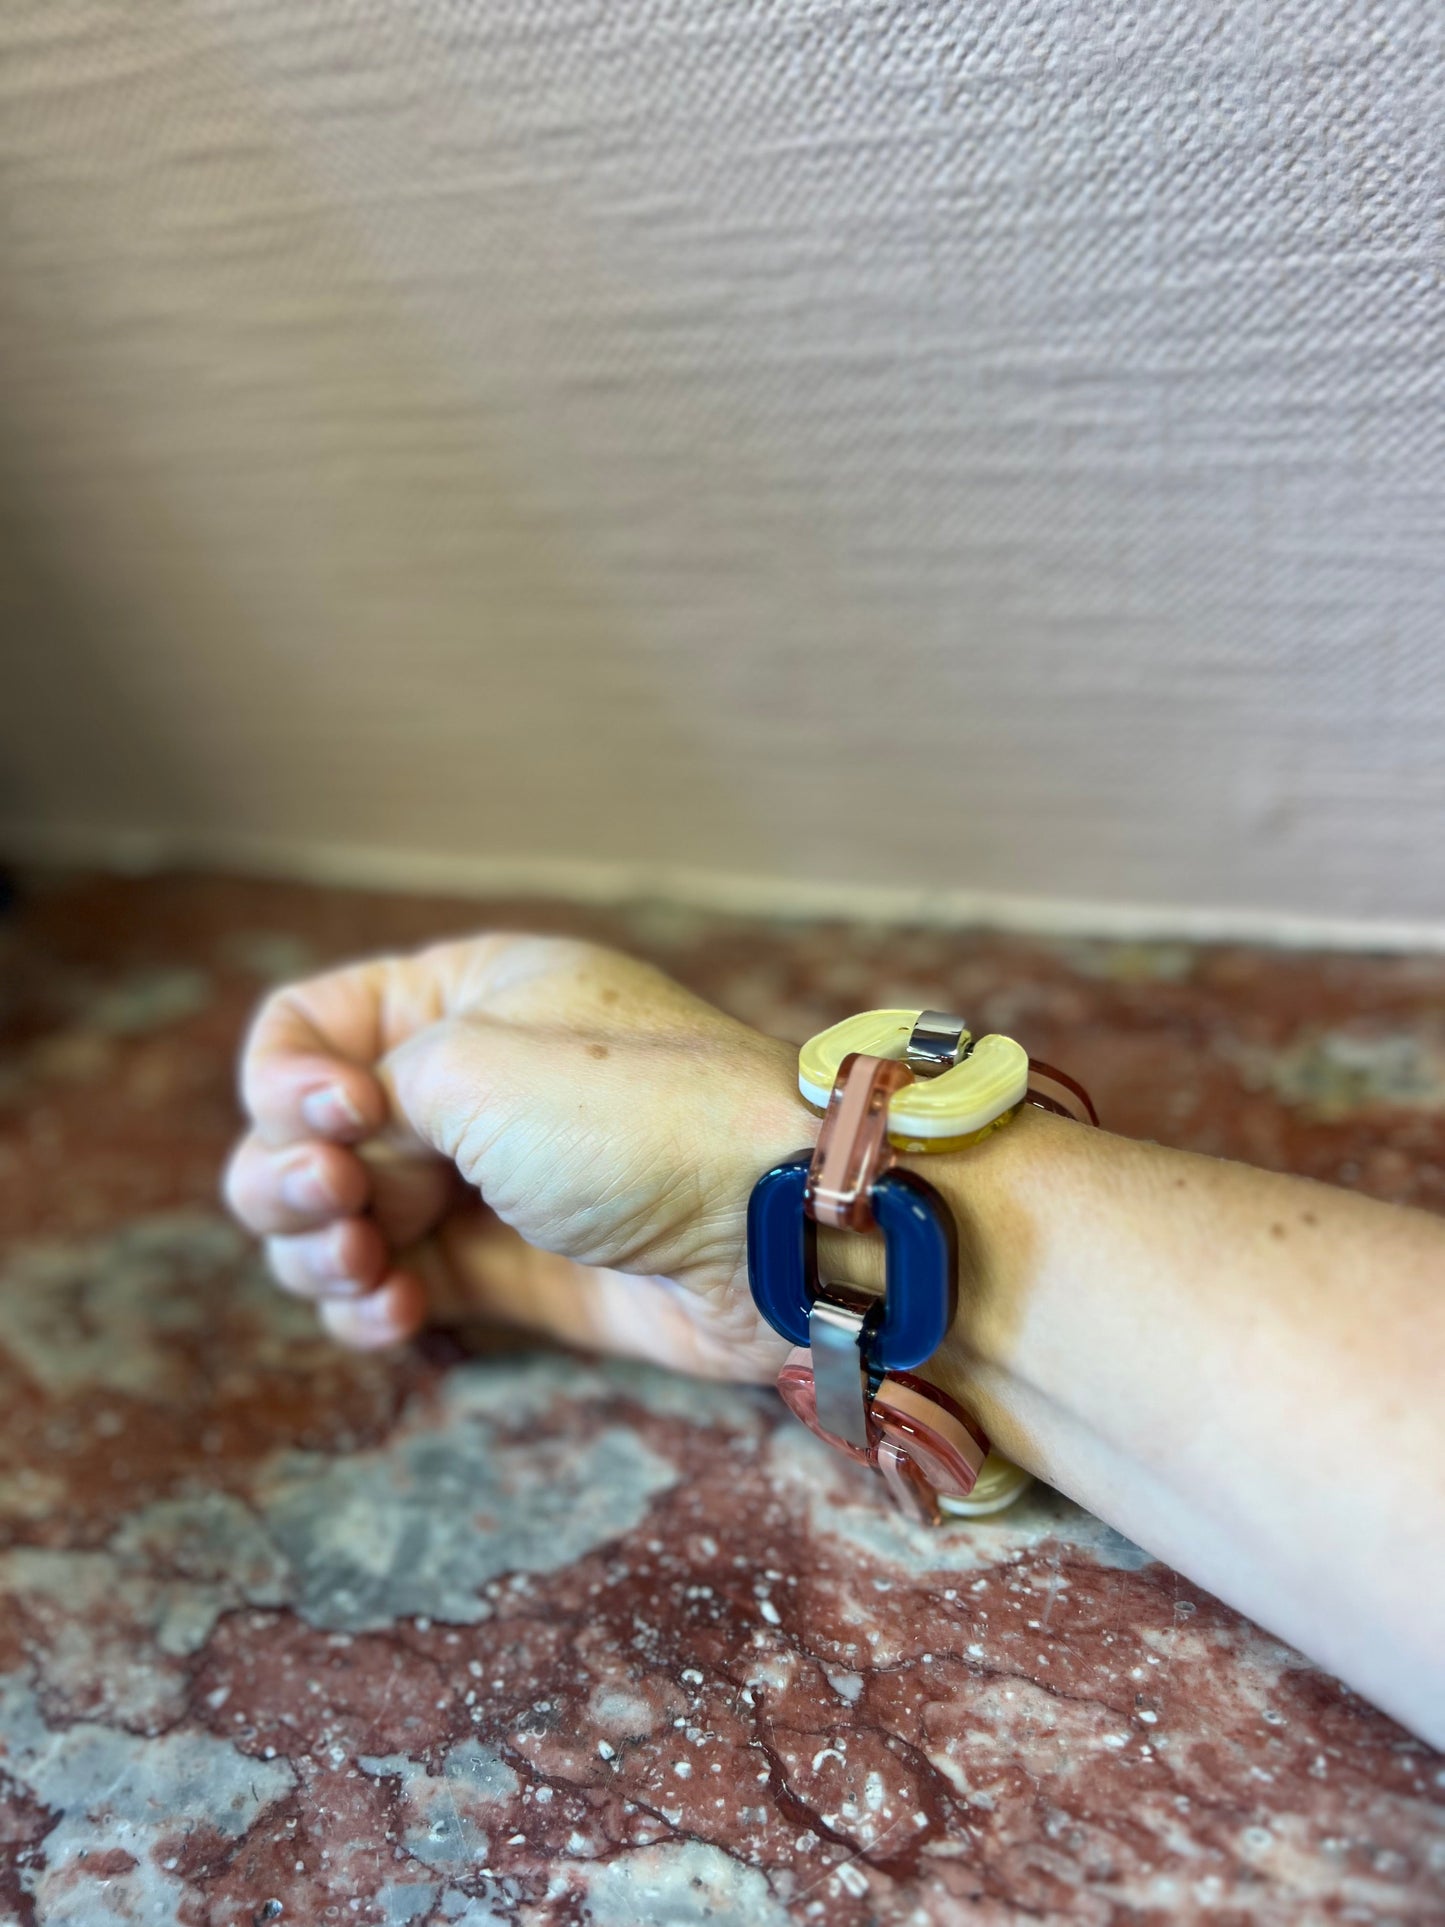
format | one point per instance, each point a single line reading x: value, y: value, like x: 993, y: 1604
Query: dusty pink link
x: 853, y: 1146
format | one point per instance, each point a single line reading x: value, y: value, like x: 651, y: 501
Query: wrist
x: 986, y: 1187
x: 1017, y: 1352
x: 987, y: 1190
x: 941, y: 1346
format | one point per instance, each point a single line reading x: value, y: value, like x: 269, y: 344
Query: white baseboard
x: 584, y: 880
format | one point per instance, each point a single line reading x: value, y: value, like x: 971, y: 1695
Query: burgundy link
x: 923, y: 1442
x: 1054, y: 1090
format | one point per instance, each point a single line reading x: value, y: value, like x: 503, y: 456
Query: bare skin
x: 1241, y: 1371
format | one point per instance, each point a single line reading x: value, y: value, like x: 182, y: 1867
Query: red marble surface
x: 487, y: 1636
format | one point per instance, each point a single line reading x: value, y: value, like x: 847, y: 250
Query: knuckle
x: 273, y: 1008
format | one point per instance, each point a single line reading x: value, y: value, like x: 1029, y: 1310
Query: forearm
x: 1241, y: 1371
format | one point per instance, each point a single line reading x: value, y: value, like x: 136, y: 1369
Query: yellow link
x: 999, y: 1483
x: 931, y: 1114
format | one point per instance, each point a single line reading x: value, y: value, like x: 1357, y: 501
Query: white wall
x: 995, y: 444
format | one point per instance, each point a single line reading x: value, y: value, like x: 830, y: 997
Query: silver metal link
x: 936, y: 1044
x: 834, y: 1332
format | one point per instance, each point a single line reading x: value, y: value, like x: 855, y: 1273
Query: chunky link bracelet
x: 889, y: 1081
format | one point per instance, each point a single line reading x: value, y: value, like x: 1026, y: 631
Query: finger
x: 394, y: 1311
x: 304, y: 1070
x: 346, y: 1260
x: 277, y: 1192
x: 307, y: 1066
x: 409, y: 1195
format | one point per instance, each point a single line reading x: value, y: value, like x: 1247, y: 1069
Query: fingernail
x: 326, y: 1261
x: 375, y: 1309
x: 332, y: 1112
x: 304, y: 1189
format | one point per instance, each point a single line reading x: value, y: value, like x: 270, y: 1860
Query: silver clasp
x: 936, y: 1043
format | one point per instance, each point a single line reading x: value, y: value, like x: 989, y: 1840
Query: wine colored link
x: 907, y: 1403
x: 1054, y: 1090
x: 853, y: 1146
x: 922, y: 1441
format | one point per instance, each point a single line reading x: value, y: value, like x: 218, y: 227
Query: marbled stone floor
x: 474, y: 1636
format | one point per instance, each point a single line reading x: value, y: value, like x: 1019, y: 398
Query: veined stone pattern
x: 472, y: 1635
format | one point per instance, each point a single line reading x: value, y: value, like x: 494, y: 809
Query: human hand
x: 612, y: 1123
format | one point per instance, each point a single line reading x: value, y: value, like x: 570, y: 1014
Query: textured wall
x: 998, y: 443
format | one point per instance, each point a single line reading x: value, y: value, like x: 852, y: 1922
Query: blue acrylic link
x: 782, y: 1248
x: 922, y: 1251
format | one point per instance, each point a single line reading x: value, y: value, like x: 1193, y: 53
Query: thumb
x: 493, y: 1096
x: 629, y: 1153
